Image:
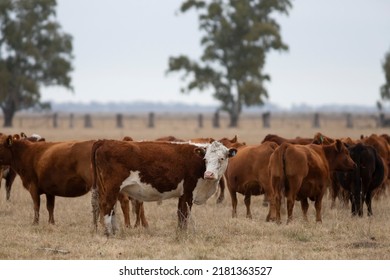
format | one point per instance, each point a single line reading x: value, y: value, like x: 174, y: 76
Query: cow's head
x: 216, y: 158
x: 342, y: 160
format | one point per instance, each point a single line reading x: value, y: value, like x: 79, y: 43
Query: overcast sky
x: 121, y: 48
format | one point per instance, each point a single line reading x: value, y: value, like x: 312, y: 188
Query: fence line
x: 199, y: 121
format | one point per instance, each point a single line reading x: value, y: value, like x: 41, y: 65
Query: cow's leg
x: 233, y: 196
x: 37, y: 204
x: 124, y: 201
x: 274, y: 199
x: 247, y: 201
x: 107, y: 204
x: 334, y: 190
x: 294, y: 184
x: 183, y: 210
x: 140, y: 213
x: 50, y: 200
x: 318, y: 206
x: 368, y: 200
x: 221, y: 184
x: 9, y: 179
x: 305, y: 207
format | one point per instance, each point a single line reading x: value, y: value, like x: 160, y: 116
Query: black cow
x: 368, y: 176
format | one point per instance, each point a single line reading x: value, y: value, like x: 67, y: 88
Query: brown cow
x: 248, y: 174
x: 9, y: 174
x: 153, y: 171
x: 302, y: 171
x: 50, y: 168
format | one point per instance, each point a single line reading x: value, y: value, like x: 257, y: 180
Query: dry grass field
x: 212, y: 232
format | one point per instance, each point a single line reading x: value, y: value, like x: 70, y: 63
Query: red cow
x: 248, y: 174
x: 302, y: 171
x: 153, y: 171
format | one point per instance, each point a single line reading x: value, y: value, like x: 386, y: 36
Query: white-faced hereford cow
x: 50, y: 168
x: 153, y: 171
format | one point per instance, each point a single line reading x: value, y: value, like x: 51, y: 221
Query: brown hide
x: 302, y: 171
x: 279, y: 140
x: 247, y: 173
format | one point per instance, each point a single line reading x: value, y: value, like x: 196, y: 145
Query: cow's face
x: 343, y: 161
x: 216, y: 158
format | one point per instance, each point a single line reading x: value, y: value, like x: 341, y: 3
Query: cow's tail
x: 96, y: 183
x: 282, y: 161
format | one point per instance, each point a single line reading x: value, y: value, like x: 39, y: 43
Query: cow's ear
x: 339, y: 145
x: 9, y: 140
x: 200, y: 152
x: 232, y: 152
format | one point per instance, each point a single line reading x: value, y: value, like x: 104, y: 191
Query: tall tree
x: 237, y: 34
x: 385, y: 89
x: 34, y: 52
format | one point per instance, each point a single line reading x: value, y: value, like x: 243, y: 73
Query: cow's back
x: 65, y: 165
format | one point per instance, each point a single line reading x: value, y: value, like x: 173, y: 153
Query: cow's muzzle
x: 208, y: 175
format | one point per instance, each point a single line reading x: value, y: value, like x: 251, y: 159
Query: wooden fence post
x: 266, y: 119
x: 216, y: 119
x: 151, y: 120
x: 71, y: 120
x: 200, y: 120
x: 55, y: 120
x: 119, y: 121
x: 316, y: 120
x: 87, y: 121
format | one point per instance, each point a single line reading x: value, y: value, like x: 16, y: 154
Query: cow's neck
x: 330, y: 155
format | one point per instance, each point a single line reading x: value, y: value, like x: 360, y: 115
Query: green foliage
x: 385, y: 89
x: 237, y: 34
x: 34, y: 52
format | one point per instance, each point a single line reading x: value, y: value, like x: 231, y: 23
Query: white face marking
x: 133, y: 186
x: 216, y: 159
x: 204, y: 190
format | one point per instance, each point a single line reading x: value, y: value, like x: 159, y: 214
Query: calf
x: 365, y: 179
x: 153, y: 171
x: 302, y: 171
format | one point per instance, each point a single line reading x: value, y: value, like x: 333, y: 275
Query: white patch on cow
x: 216, y: 158
x: 36, y: 136
x: 204, y: 190
x: 133, y: 186
x: 107, y: 223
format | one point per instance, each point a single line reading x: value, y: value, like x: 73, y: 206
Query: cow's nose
x: 208, y: 175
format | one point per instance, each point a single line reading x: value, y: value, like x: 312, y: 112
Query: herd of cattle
x: 283, y: 170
